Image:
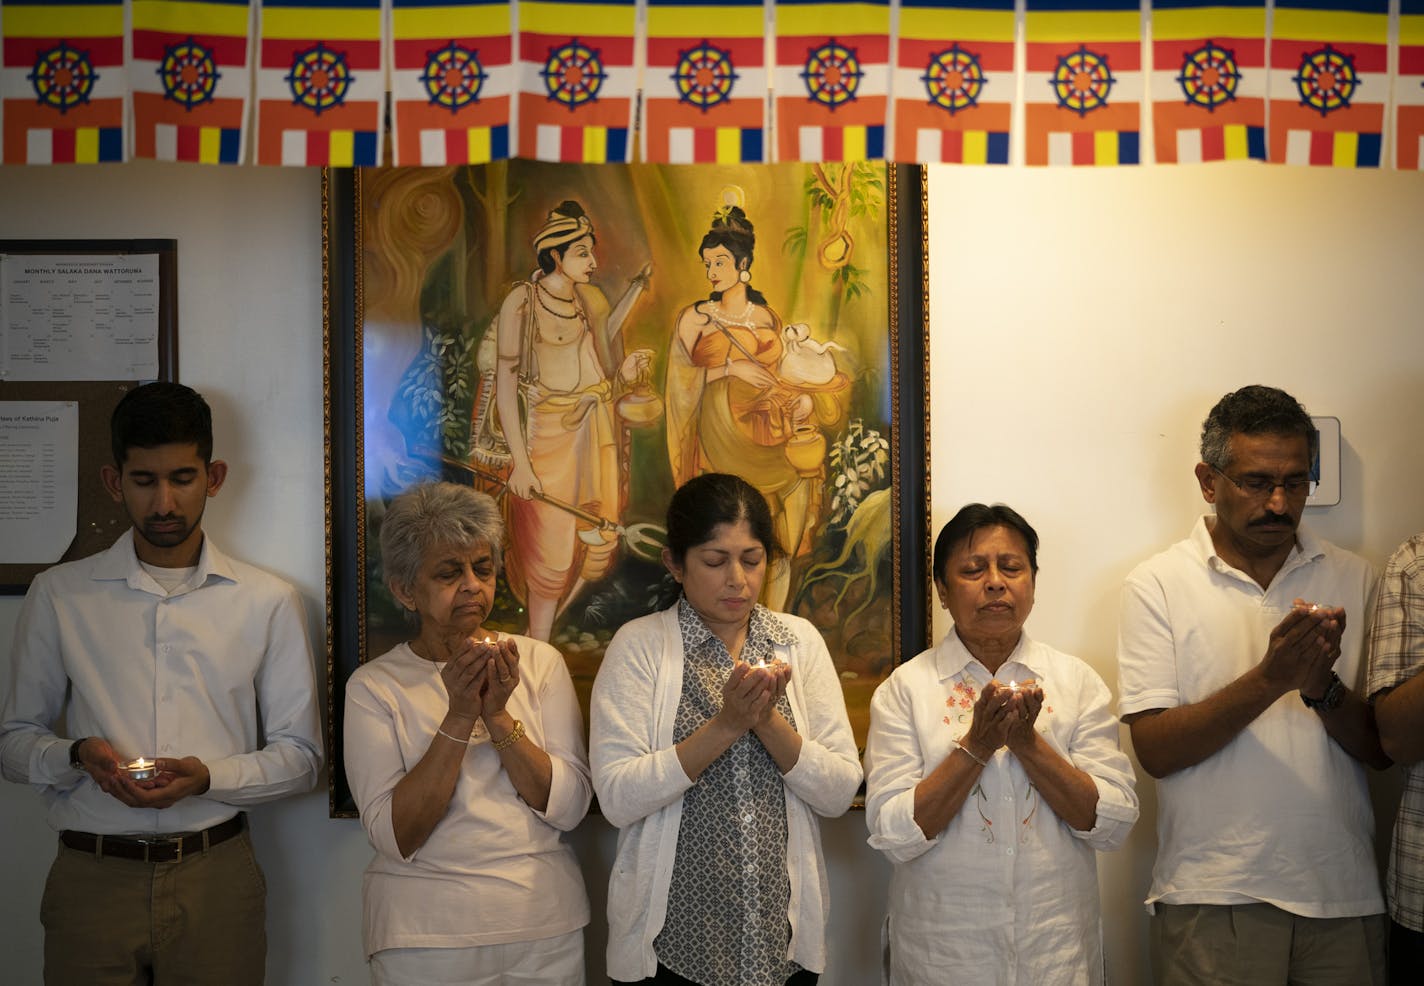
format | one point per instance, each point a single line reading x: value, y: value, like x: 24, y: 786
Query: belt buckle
x: 175, y: 841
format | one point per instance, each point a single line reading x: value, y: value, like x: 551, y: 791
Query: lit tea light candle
x: 1013, y: 686
x: 141, y: 769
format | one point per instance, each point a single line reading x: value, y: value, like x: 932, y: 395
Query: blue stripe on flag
x: 617, y: 144
x: 1127, y: 151
x: 1256, y: 143
x: 751, y: 145
x: 111, y: 144
x: 1350, y: 6
x: 998, y: 150
x: 499, y: 142
x: 874, y: 142
x: 229, y: 145
x: 1367, y: 154
x: 1001, y: 5
x: 363, y: 148
x: 1082, y: 6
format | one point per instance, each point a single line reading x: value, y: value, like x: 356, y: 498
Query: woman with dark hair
x: 719, y: 732
x: 729, y: 409
x: 993, y: 778
x: 465, y: 753
x: 556, y: 381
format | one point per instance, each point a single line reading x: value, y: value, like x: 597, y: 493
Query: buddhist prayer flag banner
x: 64, y: 83
x: 1329, y: 82
x: 320, y: 88
x: 831, y: 86
x: 191, y: 77
x: 1409, y: 88
x: 1083, y: 82
x: 452, y: 81
x: 578, y: 84
x: 954, y: 81
x: 705, y: 87
x: 1209, y: 80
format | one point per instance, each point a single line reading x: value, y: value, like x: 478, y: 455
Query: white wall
x: 1082, y: 324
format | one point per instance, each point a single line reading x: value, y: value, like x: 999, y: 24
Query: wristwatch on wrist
x: 1334, y: 695
x: 74, y: 760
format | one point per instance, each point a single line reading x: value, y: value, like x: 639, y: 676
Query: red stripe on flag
x: 1213, y: 144
x: 1322, y: 148
x: 62, y: 148
x: 1083, y: 147
x: 570, y: 144
x: 412, y: 53
x: 318, y: 148
x: 951, y: 146
x: 1411, y: 59
x: 1122, y: 56
x: 278, y: 53
x: 667, y: 52
x: 189, y: 143
x: 1366, y: 57
x: 615, y: 52
x: 704, y: 145
x: 872, y: 49
x: 151, y: 46
x: 994, y: 56
x: 832, y: 144
x: 457, y: 147
x: 103, y: 52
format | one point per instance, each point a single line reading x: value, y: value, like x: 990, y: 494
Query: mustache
x: 162, y: 518
x: 1271, y: 518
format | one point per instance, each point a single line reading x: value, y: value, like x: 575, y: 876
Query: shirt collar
x: 120, y: 563
x: 763, y: 623
x: 952, y: 657
x: 1308, y: 548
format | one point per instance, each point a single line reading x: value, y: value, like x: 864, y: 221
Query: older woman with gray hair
x: 466, y: 757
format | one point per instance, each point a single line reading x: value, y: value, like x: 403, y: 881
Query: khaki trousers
x: 1262, y: 945
x: 115, y: 922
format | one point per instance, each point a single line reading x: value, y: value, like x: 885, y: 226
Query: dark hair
x: 1254, y: 410
x: 975, y: 517
x: 572, y: 210
x: 732, y: 229
x: 713, y: 498
x: 161, y: 413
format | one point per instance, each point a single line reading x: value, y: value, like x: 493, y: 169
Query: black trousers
x: 1406, y: 955
x: 667, y: 977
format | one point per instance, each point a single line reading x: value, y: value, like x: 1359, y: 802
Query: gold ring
x: 505, y: 677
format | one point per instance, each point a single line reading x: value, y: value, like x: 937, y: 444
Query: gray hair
x: 432, y: 514
x: 1254, y: 410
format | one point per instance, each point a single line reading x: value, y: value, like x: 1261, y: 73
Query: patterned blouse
x: 730, y: 894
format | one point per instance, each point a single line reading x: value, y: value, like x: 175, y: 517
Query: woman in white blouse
x: 993, y: 775
x: 465, y: 753
x: 719, y: 733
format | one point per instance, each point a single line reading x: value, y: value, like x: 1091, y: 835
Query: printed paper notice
x: 79, y: 318
x: 39, y: 480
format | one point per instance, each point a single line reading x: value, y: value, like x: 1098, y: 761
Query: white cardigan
x: 640, y: 782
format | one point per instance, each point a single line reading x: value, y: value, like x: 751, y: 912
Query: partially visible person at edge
x: 560, y: 369
x: 1396, y: 689
x: 465, y: 753
x: 719, y: 733
x: 162, y: 648
x: 993, y: 767
x: 1240, y: 663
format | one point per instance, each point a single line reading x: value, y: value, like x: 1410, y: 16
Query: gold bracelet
x: 462, y: 742
x: 971, y: 754
x: 515, y: 735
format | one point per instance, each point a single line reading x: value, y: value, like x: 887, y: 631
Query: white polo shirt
x: 1281, y: 814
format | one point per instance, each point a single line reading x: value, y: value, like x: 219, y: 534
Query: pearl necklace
x: 744, y: 320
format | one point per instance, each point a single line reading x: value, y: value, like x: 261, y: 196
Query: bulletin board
x: 99, y: 519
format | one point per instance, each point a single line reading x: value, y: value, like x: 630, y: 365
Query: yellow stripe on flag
x: 199, y: 18
x: 1233, y: 141
x: 1336, y: 26
x: 86, y: 145
x: 1208, y: 22
x: 729, y: 145
x: 210, y: 145
x: 1104, y: 147
x: 566, y: 18
x: 1347, y: 150
x: 478, y: 144
x: 64, y: 21
x: 1411, y: 30
x: 976, y: 147
x: 477, y: 21
x: 817, y: 20
x: 919, y: 24
x: 853, y: 144
x: 595, y: 145
x: 310, y: 23
x: 1083, y: 25
x: 722, y: 22
x: 342, y: 148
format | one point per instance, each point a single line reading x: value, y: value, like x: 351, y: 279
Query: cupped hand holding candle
x: 141, y: 769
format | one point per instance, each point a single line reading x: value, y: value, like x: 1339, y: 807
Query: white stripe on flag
x: 1060, y: 148
x: 1420, y: 166
x: 39, y: 147
x: 546, y: 143
x: 294, y: 147
x: 681, y: 149
x: 1297, y: 147
x: 1189, y: 147
x: 810, y: 144
x: 927, y: 146
x: 165, y: 142
x: 432, y: 148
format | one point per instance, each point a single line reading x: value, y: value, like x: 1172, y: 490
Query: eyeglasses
x: 1262, y: 487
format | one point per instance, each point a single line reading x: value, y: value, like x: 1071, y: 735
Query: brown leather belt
x: 159, y: 848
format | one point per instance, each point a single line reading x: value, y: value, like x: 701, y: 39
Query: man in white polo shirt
x: 161, y: 647
x: 1239, y: 653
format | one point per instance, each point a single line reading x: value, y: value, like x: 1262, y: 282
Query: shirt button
x: 748, y: 818
x: 1009, y: 851
x: 1008, y: 797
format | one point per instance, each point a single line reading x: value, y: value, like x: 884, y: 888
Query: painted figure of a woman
x: 558, y: 375
x: 730, y: 408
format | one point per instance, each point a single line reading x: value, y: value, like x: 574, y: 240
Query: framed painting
x: 578, y: 340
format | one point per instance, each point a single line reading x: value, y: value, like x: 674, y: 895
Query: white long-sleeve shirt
x: 639, y: 781
x: 1007, y: 894
x: 220, y: 669
x: 493, y: 870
